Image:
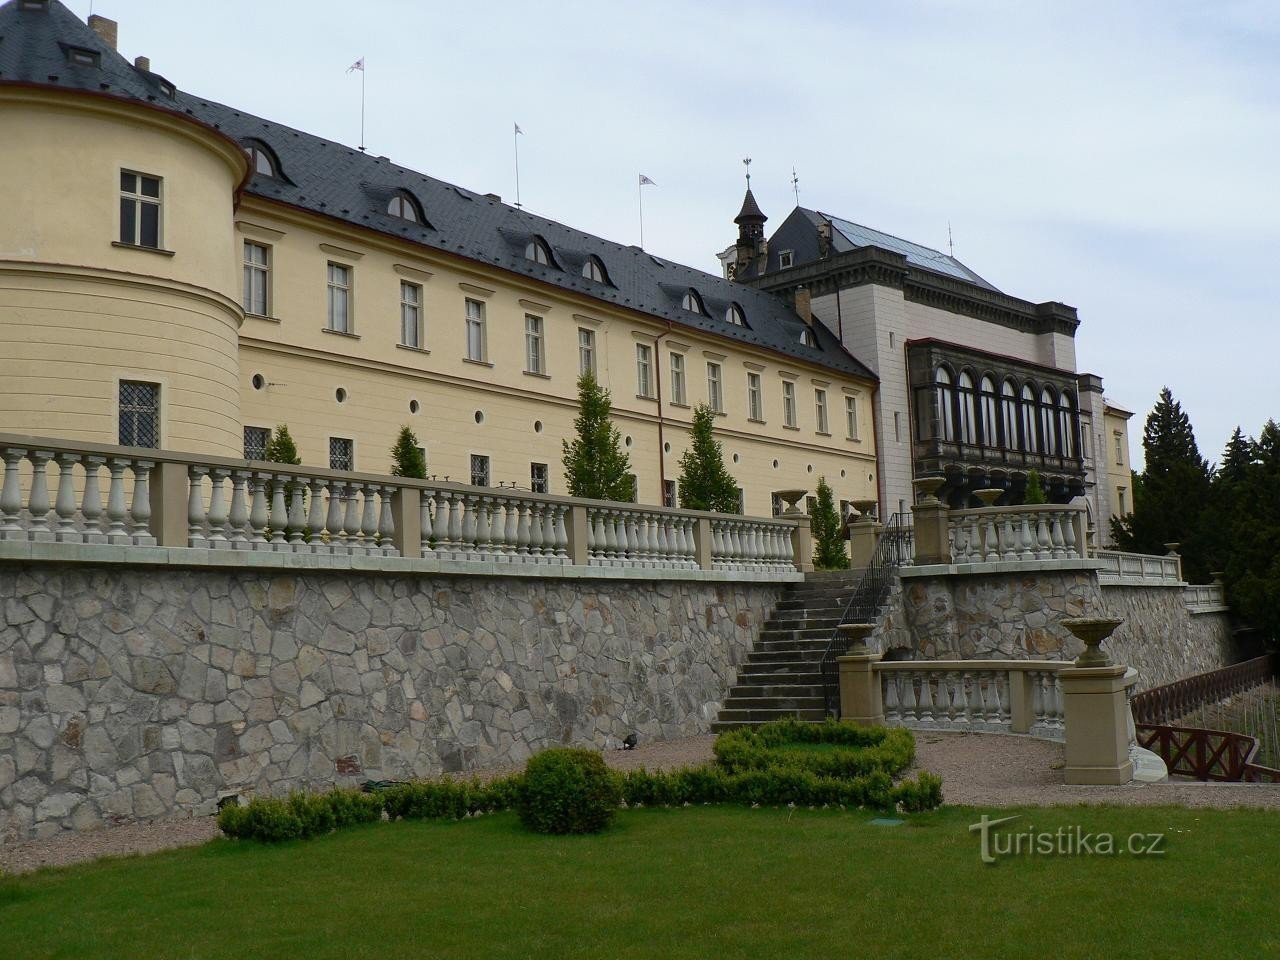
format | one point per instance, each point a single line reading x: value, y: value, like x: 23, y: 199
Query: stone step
x: 803, y: 647
x: 752, y: 691
x: 826, y: 576
x: 775, y: 703
x: 781, y: 621
x: 771, y: 633
x: 771, y: 675
x: 813, y: 603
x: 765, y: 714
x: 771, y: 657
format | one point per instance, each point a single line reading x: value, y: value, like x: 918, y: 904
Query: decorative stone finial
x: 856, y: 634
x: 1092, y: 631
x: 791, y: 498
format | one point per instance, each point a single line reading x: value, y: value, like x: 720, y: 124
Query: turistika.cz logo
x: 1072, y: 841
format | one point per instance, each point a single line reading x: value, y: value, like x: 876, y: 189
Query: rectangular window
x: 851, y: 417
x: 533, y: 362
x: 785, y: 259
x: 257, y: 264
x: 715, y: 399
x: 139, y: 210
x: 538, y: 477
x: 677, y: 378
x: 897, y: 426
x: 342, y: 453
x: 475, y: 331
x: 742, y: 501
x: 755, y: 408
x: 788, y: 403
x: 139, y: 414
x: 668, y: 493
x: 255, y: 442
x: 776, y: 504
x: 410, y: 314
x: 339, y: 298
x: 479, y: 470
x: 820, y: 410
x: 586, y: 351
x: 1119, y: 437
x: 1121, y: 508
x: 644, y: 370
x: 423, y: 452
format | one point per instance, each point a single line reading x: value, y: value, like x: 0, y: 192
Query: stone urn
x: 865, y: 508
x: 928, y: 488
x: 791, y: 498
x: 1092, y: 631
x: 989, y: 496
x: 855, y: 636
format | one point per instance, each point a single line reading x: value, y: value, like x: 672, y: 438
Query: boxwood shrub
x: 567, y: 790
x: 855, y: 751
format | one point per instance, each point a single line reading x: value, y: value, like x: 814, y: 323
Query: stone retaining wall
x: 1018, y: 616
x: 138, y: 694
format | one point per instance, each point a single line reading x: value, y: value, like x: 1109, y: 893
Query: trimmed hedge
x: 298, y: 816
x: 567, y: 790
x: 449, y: 799
x: 857, y: 751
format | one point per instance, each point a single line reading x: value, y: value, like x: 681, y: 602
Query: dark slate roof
x: 750, y: 209
x: 917, y: 254
x: 335, y: 180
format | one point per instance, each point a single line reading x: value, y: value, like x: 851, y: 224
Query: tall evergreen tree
x: 1034, y: 495
x: 407, y: 459
x: 281, y: 448
x: 1172, y: 500
x: 595, y: 465
x: 1236, y: 458
x: 828, y: 536
x: 705, y: 482
x: 1247, y: 513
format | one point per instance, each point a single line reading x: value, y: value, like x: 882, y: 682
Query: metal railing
x: 893, y: 549
x: 1166, y: 704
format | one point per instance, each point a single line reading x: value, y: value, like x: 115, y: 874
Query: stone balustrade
x: 996, y: 696
x: 1139, y: 569
x: 260, y: 513
x: 1008, y: 534
x: 1205, y: 597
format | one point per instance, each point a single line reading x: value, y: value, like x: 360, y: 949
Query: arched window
x: 1009, y: 403
x: 990, y: 419
x: 693, y: 303
x: 946, y: 401
x: 968, y: 427
x: 735, y: 316
x: 807, y: 338
x: 1067, y: 423
x: 402, y: 205
x: 538, y: 252
x: 593, y: 269
x: 1049, y: 420
x: 261, y: 160
x: 1030, y: 436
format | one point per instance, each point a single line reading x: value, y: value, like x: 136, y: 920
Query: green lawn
x: 708, y: 882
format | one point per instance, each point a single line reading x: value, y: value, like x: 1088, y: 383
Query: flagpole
x: 640, y: 197
x: 362, y: 73
x: 515, y: 140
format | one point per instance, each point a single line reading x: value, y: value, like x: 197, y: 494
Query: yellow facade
x: 80, y: 312
x: 1119, y: 470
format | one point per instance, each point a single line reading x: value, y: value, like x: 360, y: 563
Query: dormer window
x: 404, y: 206
x: 538, y: 251
x: 807, y: 338
x: 693, y: 303
x: 593, y: 269
x: 83, y: 57
x: 785, y: 259
x: 735, y: 316
x: 261, y: 159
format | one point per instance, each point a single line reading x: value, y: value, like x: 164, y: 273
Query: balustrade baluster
x: 369, y: 519
x: 1055, y: 537
x: 386, y: 522
x: 258, y: 515
x: 141, y: 509
x: 65, y: 505
x: 196, y: 515
x: 239, y: 516
x: 595, y: 539
x: 297, y: 516
x: 610, y: 539
x: 38, y: 498
x: 116, y: 510
x: 333, y: 518
x: 536, y: 530
x: 469, y: 502
x: 11, y: 495
x: 484, y: 534
x: 426, y: 520
x: 91, y: 503
x: 440, y: 527
x: 455, y: 526
x: 891, y: 698
x: 511, y: 532
x: 217, y: 513
x: 320, y: 533
x: 279, y: 511
x: 561, y: 534
x: 1028, y: 538
x: 549, y: 511
x: 925, y: 711
x: 1069, y: 537
x: 909, y: 708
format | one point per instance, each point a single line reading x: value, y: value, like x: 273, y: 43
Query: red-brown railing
x: 1164, y: 705
x: 1206, y: 754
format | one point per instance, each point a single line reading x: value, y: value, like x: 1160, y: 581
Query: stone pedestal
x: 1097, y: 721
x: 864, y: 533
x: 860, y: 697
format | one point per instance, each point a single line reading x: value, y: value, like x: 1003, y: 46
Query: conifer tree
x: 828, y: 537
x: 595, y: 465
x: 1035, y: 489
x: 281, y: 448
x: 407, y: 459
x: 705, y: 482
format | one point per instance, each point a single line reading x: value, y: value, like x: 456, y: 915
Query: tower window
x: 139, y: 210
x: 139, y: 414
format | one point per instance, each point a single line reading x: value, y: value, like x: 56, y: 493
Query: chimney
x: 803, y: 304
x: 104, y: 28
x: 142, y: 63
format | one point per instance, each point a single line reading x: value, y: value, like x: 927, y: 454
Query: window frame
x: 411, y: 315
x: 256, y: 271
x: 475, y: 322
x: 134, y: 413
x: 481, y: 460
x: 644, y: 371
x: 138, y: 201
x: 587, y: 351
x: 535, y: 361
x: 350, y: 455
x: 715, y: 387
x: 539, y: 477
x: 678, y: 392
x: 266, y: 441
x: 789, y: 417
x: 755, y: 397
x: 820, y: 412
x: 339, y: 292
x: 851, y: 417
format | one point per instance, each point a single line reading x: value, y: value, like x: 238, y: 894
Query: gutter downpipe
x: 657, y: 377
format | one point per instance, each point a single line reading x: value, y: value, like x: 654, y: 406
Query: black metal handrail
x: 864, y: 605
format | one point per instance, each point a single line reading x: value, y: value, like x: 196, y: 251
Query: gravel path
x: 985, y: 770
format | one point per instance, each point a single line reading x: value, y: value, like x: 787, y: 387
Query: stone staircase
x: 783, y: 673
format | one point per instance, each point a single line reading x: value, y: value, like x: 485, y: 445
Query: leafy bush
x: 771, y: 787
x: 857, y: 751
x: 313, y: 812
x: 266, y: 819
x: 353, y: 806
x: 925, y: 793
x: 450, y: 799
x: 567, y: 790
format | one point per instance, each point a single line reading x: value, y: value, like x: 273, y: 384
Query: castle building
x: 178, y: 273
x: 976, y: 386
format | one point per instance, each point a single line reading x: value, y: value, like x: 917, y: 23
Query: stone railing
x: 236, y: 511
x: 1139, y: 569
x: 1009, y: 534
x: 998, y: 696
x: 1205, y: 597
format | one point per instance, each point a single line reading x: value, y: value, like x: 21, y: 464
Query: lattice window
x: 255, y: 442
x: 479, y: 470
x: 139, y: 414
x: 342, y: 454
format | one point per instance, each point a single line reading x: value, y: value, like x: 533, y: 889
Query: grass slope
x: 722, y: 882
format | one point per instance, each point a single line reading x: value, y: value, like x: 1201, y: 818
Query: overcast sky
x: 1119, y: 157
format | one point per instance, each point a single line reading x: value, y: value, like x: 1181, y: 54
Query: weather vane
x: 795, y: 184
x: 746, y: 162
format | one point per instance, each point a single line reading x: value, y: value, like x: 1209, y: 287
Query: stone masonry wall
x: 139, y: 694
x: 1018, y: 616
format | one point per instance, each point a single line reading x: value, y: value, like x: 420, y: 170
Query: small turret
x: 751, y: 250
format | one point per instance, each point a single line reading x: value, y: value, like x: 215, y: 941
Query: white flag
x: 358, y: 65
x: 517, y: 126
x: 645, y: 181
